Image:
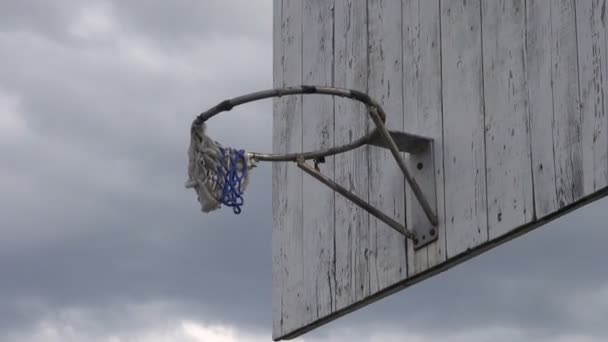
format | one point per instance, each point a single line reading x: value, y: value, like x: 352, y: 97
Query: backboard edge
x: 448, y: 264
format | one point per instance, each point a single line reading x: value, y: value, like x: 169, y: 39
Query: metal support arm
x: 395, y: 151
x: 357, y: 200
x: 396, y: 142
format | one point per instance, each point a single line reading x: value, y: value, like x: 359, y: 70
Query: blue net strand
x: 232, y: 178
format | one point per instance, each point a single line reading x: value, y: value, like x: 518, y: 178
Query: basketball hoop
x: 220, y: 175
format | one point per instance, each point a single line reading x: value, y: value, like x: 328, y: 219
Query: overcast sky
x: 100, y: 241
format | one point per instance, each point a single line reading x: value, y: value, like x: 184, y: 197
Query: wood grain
x: 351, y: 169
x: 512, y: 92
x: 566, y: 104
x: 508, y: 163
x: 318, y: 133
x: 463, y: 134
x: 387, y: 253
x: 423, y: 116
x: 289, y: 180
x: 592, y: 59
x: 540, y: 96
x: 279, y: 178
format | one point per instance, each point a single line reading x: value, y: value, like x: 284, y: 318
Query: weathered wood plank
x: 417, y: 260
x: 508, y: 163
x: 592, y: 59
x: 540, y: 96
x: 279, y: 177
x: 464, y: 152
x: 423, y: 116
x: 289, y: 196
x: 566, y: 104
x: 456, y: 68
x: 388, y: 259
x: 432, y: 113
x: 352, y: 222
x: 318, y: 133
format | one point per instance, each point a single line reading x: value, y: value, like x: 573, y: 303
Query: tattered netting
x: 218, y: 174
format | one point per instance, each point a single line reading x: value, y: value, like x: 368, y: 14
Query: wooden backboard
x: 513, y: 94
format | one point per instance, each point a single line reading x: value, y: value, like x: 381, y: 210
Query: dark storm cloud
x: 130, y: 252
x: 94, y: 210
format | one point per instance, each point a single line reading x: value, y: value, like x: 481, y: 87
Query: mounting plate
x: 406, y: 142
x: 422, y: 167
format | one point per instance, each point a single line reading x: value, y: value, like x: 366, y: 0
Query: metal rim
x: 372, y: 105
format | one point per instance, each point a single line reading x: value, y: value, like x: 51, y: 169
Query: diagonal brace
x: 392, y: 146
x: 356, y: 199
x: 396, y: 142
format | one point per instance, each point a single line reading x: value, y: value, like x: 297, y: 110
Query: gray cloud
x: 96, y: 217
x: 187, y: 21
x: 39, y: 16
x: 97, y: 213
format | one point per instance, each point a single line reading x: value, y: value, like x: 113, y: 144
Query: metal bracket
x: 421, y: 212
x: 406, y: 142
x: 423, y: 167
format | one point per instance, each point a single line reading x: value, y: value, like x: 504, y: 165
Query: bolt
x: 432, y: 232
x: 419, y: 166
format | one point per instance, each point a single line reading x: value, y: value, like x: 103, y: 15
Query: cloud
x: 93, y: 205
x: 47, y: 18
x: 75, y: 325
x: 12, y: 125
x: 102, y: 242
x: 93, y: 22
x: 181, y: 22
x: 79, y: 325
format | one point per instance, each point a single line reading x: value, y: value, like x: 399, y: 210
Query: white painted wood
x: 464, y: 152
x: 318, y: 133
x: 496, y: 85
x: 289, y: 179
x: 351, y: 122
x: 591, y: 37
x: 422, y: 115
x: 540, y: 97
x: 566, y: 108
x: 509, y: 172
x: 431, y: 108
x: 279, y: 178
x: 388, y: 259
x: 417, y: 260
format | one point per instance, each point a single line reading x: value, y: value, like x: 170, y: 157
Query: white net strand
x: 219, y: 175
